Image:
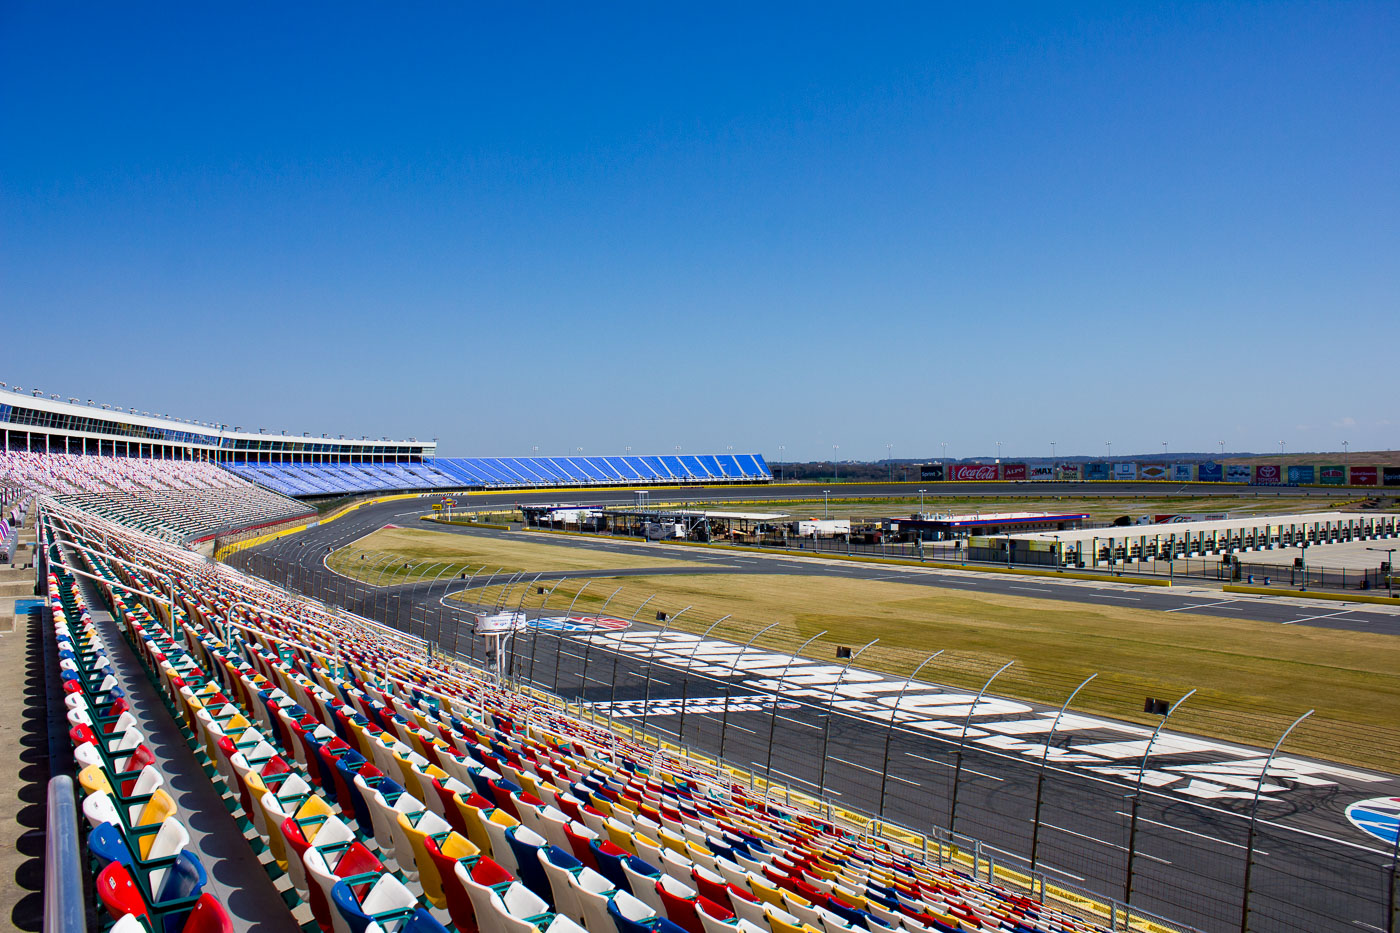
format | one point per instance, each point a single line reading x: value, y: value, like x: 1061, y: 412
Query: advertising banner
x: 1302, y: 474
x: 1180, y: 517
x: 1332, y: 474
x: 1013, y: 471
x: 1238, y: 473
x: 1364, y: 476
x: 1210, y: 472
x: 963, y: 472
x: 1153, y: 471
x: 931, y: 471
x: 1390, y: 476
x: 1125, y: 471
x: 1069, y: 471
x: 1042, y: 472
x: 1181, y: 472
x: 1096, y: 470
x: 1268, y: 474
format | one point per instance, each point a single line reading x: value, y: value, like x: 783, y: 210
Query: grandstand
x: 321, y: 479
x: 385, y: 787
x: 181, y: 501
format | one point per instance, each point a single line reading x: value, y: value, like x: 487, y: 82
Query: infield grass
x: 438, y: 553
x: 1252, y: 678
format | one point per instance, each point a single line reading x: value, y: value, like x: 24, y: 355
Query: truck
x: 822, y: 527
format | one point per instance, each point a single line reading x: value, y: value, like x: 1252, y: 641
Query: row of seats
x: 175, y: 500
x: 304, y: 479
x: 147, y: 878
x: 445, y: 801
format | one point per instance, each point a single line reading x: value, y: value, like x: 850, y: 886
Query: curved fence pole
x: 724, y: 720
x: 894, y: 719
x: 685, y: 678
x: 535, y: 634
x: 588, y: 650
x: 1254, y: 822
x: 651, y: 661
x: 831, y: 711
x: 962, y: 743
x: 1044, y: 759
x: 612, y: 698
x: 1137, y: 796
x: 773, y: 720
x: 559, y: 642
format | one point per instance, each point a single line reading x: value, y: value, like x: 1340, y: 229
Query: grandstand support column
x: 1254, y: 823
x: 894, y: 720
x: 773, y: 720
x: 1044, y: 759
x: 685, y: 678
x: 559, y: 641
x: 962, y: 744
x: 831, y: 712
x: 612, y: 698
x: 1137, y: 797
x: 724, y: 714
x: 535, y: 634
x: 651, y: 660
x: 588, y: 648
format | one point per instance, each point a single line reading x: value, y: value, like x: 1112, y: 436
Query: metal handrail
x: 64, y: 909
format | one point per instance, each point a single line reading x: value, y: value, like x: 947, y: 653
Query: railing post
x: 724, y: 714
x: 830, y: 711
x: 1044, y: 758
x: 63, y: 871
x: 1254, y: 822
x: 962, y: 742
x: 894, y: 720
x: 773, y: 720
x: 1137, y: 796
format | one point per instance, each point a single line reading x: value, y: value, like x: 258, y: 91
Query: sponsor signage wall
x: 1238, y: 473
x: 1181, y: 472
x: 931, y: 471
x: 1364, y: 476
x: 1268, y: 473
x: 1390, y: 476
x: 1152, y: 471
x: 1302, y: 474
x: 1125, y: 470
x: 1069, y: 471
x: 1042, y: 472
x: 1013, y: 471
x: 1210, y: 472
x: 1333, y: 474
x: 972, y: 471
x: 1185, y: 517
x: 1096, y: 470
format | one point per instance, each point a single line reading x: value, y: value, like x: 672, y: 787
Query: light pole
x: 1052, y: 450
x: 1280, y: 448
x: 1389, y: 553
x: 889, y: 459
x: 826, y: 503
x: 921, y: 502
x: 1108, y: 446
x: 944, y: 445
x: 1222, y: 448
x: 835, y: 469
x: 781, y: 449
x: 998, y: 451
x: 1346, y: 452
x: 1164, y: 450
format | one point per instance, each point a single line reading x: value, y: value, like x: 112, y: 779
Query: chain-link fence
x: 1060, y: 826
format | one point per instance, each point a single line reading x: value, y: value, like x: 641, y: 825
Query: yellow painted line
x: 1311, y: 594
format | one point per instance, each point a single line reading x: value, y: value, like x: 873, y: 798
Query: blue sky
x: 512, y: 226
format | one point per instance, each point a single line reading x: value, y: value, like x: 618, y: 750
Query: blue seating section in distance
x: 328, y: 479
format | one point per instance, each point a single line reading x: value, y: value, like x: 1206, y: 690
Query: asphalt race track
x: 1312, y: 869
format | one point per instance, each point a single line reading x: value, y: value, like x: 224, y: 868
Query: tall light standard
x: 1280, y: 448
x: 1346, y: 452
x: 1389, y: 553
x: 826, y: 503
x: 1222, y: 448
x: 1164, y: 450
x: 835, y: 467
x: 921, y: 501
x: 781, y: 448
x: 1052, y: 450
x: 998, y: 451
x: 889, y: 459
x: 944, y: 445
x: 1108, y: 446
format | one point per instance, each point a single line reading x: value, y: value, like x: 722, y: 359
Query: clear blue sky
x: 712, y: 225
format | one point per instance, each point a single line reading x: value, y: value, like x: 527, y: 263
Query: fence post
x: 685, y: 677
x: 1137, y: 796
x: 894, y: 719
x: 1254, y: 822
x: 1040, y: 775
x: 724, y: 714
x: 962, y: 742
x: 773, y: 720
x: 830, y: 711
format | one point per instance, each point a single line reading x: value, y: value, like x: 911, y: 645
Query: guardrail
x: 64, y: 908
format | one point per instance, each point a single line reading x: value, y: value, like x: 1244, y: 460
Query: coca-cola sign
x: 972, y: 471
x: 1013, y: 471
